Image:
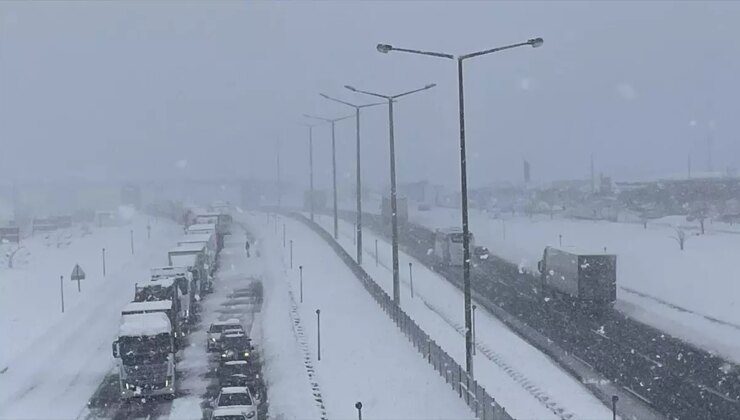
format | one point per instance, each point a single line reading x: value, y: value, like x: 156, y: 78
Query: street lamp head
x: 323, y: 95
x: 350, y: 88
x: 429, y: 86
x: 536, y: 42
x: 384, y: 48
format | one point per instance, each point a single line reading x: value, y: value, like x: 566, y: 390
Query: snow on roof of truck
x: 189, y: 247
x: 184, y: 260
x: 201, y: 226
x: 161, y: 281
x: 195, y: 237
x: 162, y: 272
x: 152, y: 305
x: 579, y: 251
x: 137, y: 325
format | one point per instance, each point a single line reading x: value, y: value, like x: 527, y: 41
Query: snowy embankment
x: 522, y: 379
x: 51, y: 361
x: 364, y: 357
x: 692, y: 294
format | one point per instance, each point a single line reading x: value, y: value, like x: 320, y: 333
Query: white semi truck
x: 145, y: 353
x: 448, y: 246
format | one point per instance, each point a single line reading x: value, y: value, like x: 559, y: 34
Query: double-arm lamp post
x: 394, y: 218
x: 333, y: 164
x: 385, y: 48
x: 358, y: 223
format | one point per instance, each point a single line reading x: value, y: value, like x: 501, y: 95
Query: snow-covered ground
x: 53, y: 362
x: 364, y: 357
x: 525, y: 381
x: 692, y: 294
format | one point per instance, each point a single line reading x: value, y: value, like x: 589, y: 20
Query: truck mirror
x: 115, y: 349
x: 539, y: 266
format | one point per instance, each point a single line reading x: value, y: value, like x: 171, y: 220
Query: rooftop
x: 137, y: 325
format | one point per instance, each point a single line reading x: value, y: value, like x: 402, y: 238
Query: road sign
x: 78, y: 274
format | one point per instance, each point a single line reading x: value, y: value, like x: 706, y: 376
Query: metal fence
x: 480, y: 402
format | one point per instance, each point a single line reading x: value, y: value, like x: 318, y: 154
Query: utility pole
x: 593, y: 181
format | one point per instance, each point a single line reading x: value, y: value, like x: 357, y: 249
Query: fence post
x: 459, y: 381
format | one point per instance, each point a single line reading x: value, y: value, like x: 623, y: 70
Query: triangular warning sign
x: 77, y: 273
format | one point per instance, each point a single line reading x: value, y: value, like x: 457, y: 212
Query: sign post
x: 78, y: 274
x: 61, y: 289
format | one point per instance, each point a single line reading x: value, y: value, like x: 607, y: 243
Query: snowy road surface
x: 519, y: 376
x: 364, y: 357
x: 56, y: 361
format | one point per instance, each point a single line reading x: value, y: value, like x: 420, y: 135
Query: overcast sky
x: 117, y: 90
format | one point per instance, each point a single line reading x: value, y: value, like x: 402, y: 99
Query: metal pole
x: 560, y: 240
x: 466, y: 232
x: 61, y: 290
x: 148, y: 231
x: 279, y: 191
x: 132, y: 242
x: 300, y: 269
x: 359, y: 191
x: 310, y: 165
x: 376, y: 252
x: 358, y: 406
x: 103, y: 262
x: 474, y: 308
x: 394, y: 220
x: 411, y: 280
x: 318, y: 331
x: 79, y: 288
x: 283, y: 235
x: 334, y: 179
x: 291, y: 253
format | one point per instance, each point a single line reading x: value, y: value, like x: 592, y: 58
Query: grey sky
x: 128, y: 89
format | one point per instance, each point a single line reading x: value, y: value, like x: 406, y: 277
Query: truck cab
x: 175, y: 289
x: 192, y: 257
x: 145, y: 353
x: 448, y: 246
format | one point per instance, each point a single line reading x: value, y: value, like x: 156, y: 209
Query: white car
x: 217, y: 329
x: 235, y: 399
x: 228, y: 413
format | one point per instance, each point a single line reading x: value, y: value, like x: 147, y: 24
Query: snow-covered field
x: 364, y: 357
x: 52, y: 362
x: 701, y: 282
x: 525, y: 381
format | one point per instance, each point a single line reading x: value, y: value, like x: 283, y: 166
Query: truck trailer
x: 145, y: 353
x: 448, y: 246
x: 583, y: 277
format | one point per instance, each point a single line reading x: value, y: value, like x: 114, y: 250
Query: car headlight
x: 246, y: 354
x: 213, y: 340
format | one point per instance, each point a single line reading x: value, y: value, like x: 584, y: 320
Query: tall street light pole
x: 333, y: 164
x: 358, y: 223
x: 394, y: 218
x: 279, y: 190
x: 310, y: 167
x: 385, y: 48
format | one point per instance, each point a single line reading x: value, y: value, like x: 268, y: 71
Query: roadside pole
x: 103, y: 262
x: 318, y: 331
x: 61, y: 289
x: 300, y: 269
x: 132, y: 242
x: 376, y: 252
x: 411, y: 280
x: 358, y: 406
x: 283, y: 235
x: 291, y: 253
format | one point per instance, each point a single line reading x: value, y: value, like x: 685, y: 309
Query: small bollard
x: 132, y: 242
x: 560, y: 240
x: 318, y: 332
x: 358, y: 406
x: 614, y: 406
x: 103, y: 262
x: 283, y: 235
x: 291, y: 253
x: 300, y: 269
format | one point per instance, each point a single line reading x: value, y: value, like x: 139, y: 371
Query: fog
x: 168, y: 90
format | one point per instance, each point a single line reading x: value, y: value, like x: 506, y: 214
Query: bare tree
x: 680, y: 238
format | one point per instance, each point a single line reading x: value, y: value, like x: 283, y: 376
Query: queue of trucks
x: 157, y: 320
x: 586, y: 279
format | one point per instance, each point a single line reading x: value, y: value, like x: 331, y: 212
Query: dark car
x: 238, y: 373
x: 236, y: 346
x: 481, y: 252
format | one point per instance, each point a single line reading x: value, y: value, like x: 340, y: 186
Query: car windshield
x: 217, y: 328
x: 226, y: 400
x: 140, y: 349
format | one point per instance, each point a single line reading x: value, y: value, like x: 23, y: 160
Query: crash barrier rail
x: 480, y: 402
